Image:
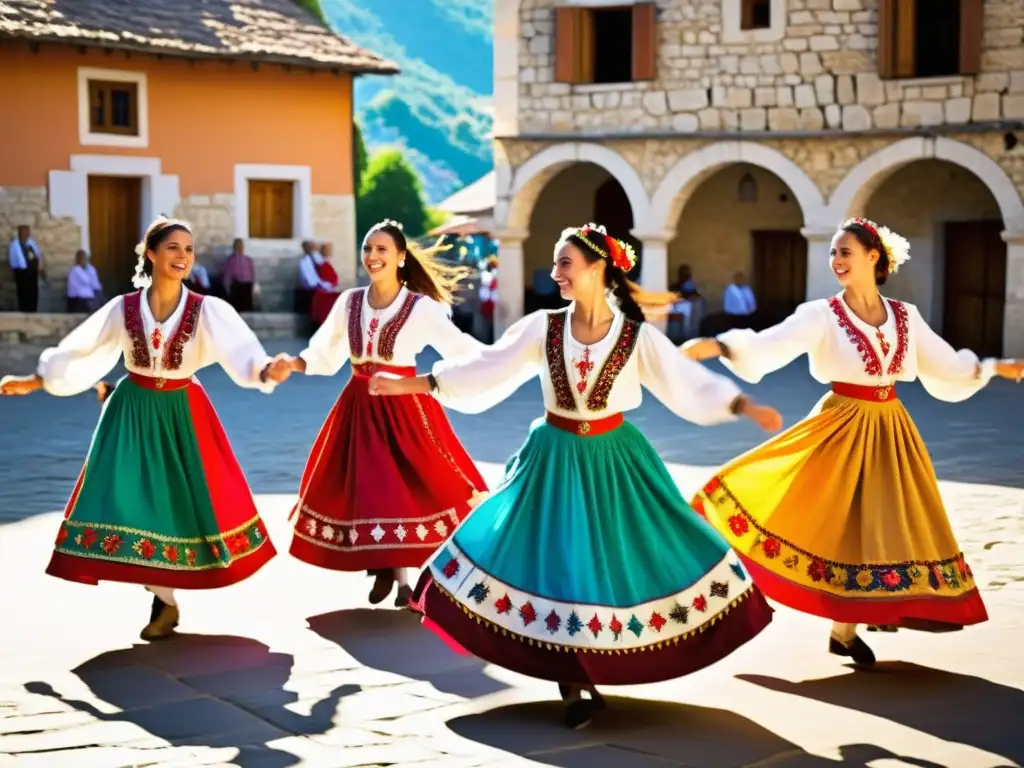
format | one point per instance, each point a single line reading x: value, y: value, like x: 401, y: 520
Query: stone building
x: 233, y: 114
x: 734, y: 135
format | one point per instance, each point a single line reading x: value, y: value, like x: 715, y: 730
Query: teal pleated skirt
x: 586, y: 548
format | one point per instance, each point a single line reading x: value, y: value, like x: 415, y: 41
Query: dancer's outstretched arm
x: 80, y: 361
x: 693, y: 392
x: 474, y: 384
x: 753, y: 355
x: 951, y: 375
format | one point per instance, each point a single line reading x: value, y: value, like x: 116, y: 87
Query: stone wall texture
x: 820, y: 74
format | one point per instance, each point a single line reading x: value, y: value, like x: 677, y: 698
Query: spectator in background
x: 84, y: 292
x: 739, y: 302
x: 686, y: 315
x: 309, y: 278
x: 238, y: 276
x: 326, y: 292
x: 199, y: 279
x: 26, y: 262
x: 488, y: 297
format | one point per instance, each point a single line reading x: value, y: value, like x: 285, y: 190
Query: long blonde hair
x: 423, y: 271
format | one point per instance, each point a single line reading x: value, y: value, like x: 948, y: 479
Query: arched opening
x: 957, y: 270
x: 577, y: 194
x: 740, y: 219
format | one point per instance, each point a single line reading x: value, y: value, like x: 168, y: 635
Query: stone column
x: 1013, y: 316
x: 820, y: 281
x: 511, y: 283
x: 654, y: 269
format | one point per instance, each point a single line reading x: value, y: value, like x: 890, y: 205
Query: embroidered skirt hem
x: 840, y: 517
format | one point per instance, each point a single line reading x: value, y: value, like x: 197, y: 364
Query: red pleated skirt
x: 386, y: 483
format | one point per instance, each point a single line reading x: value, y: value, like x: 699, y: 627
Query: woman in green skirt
x: 587, y: 553
x: 161, y: 500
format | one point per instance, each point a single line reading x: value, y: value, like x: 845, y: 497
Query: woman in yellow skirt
x: 840, y: 516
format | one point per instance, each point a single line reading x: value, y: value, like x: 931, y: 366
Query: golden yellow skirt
x: 840, y: 516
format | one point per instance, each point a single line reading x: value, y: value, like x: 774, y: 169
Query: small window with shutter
x: 755, y: 14
x: 605, y: 45
x: 929, y: 38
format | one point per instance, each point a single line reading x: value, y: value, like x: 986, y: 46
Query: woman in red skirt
x: 387, y: 481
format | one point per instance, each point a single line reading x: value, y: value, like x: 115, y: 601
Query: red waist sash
x: 877, y: 394
x: 585, y: 428
x: 366, y: 370
x: 159, y: 383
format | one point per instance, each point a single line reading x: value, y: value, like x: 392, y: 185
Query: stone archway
x: 856, y: 188
x: 766, y: 241
x: 687, y: 174
x: 517, y: 196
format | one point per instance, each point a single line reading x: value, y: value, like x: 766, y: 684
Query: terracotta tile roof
x: 253, y: 30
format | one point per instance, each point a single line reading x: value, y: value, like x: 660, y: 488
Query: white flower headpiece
x: 389, y: 223
x: 895, y: 246
x: 160, y: 222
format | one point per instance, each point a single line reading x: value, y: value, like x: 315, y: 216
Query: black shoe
x: 382, y: 585
x: 883, y: 628
x: 404, y: 596
x: 858, y: 650
x: 597, y: 700
x: 579, y: 714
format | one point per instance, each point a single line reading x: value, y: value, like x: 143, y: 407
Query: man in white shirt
x: 26, y: 262
x: 309, y: 278
x: 739, y: 302
x: 84, y: 288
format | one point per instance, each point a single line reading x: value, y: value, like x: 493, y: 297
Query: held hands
x: 19, y: 385
x: 281, y: 367
x: 765, y: 417
x: 1011, y: 369
x: 701, y: 349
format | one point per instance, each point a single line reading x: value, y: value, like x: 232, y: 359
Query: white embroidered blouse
x: 842, y: 348
x: 392, y: 336
x: 587, y: 382
x: 201, y: 331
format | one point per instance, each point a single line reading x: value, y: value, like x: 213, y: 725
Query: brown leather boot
x: 382, y: 585
x: 163, y: 620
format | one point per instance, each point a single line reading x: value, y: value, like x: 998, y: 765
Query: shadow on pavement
x: 642, y: 733
x: 395, y: 641
x: 211, y: 691
x: 959, y: 708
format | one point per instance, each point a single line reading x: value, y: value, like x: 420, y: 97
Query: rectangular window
x: 271, y: 209
x: 114, y: 107
x: 929, y: 38
x: 606, y: 45
x: 755, y: 14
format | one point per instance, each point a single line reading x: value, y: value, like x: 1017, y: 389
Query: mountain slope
x: 439, y: 108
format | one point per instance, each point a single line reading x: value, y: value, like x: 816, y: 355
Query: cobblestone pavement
x: 291, y: 668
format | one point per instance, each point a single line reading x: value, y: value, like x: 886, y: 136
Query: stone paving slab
x: 292, y: 668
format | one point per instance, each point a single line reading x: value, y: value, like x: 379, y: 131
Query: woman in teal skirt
x: 161, y: 500
x: 587, y: 553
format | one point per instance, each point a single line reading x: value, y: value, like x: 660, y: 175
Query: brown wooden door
x: 780, y: 274
x: 114, y: 229
x: 975, y: 283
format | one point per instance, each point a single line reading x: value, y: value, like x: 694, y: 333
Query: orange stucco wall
x: 203, y: 118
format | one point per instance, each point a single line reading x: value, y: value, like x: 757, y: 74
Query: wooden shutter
x: 906, y: 38
x: 886, y: 38
x: 972, y: 24
x: 568, y: 31
x: 645, y: 41
x: 271, y: 209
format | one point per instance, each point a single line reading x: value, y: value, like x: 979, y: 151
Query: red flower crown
x: 620, y: 254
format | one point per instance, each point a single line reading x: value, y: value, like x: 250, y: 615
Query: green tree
x: 313, y: 6
x: 359, y: 156
x: 391, y: 190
